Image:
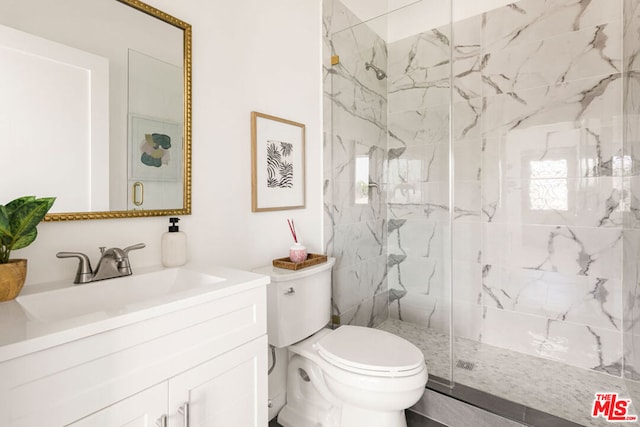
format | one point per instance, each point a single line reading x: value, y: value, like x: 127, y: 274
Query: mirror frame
x: 186, y: 196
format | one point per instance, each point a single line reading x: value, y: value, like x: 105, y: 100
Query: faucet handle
x: 133, y: 247
x: 84, y: 272
x: 124, y: 267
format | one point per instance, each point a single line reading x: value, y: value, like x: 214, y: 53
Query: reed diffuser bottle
x: 297, y: 251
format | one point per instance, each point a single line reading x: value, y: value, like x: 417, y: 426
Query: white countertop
x: 23, y: 333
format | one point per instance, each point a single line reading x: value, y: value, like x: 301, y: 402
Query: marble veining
x: 538, y: 96
x: 537, y: 224
x: 356, y: 102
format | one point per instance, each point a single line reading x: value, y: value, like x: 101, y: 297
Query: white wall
x: 247, y: 55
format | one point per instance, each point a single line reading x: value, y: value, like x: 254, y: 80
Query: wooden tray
x: 312, y: 259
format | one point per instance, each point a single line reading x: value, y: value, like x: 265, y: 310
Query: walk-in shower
x: 505, y: 239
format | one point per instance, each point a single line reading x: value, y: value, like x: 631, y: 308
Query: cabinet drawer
x: 140, y: 410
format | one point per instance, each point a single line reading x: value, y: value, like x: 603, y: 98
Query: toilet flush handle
x: 290, y: 291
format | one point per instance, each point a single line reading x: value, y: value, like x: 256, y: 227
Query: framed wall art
x: 277, y: 163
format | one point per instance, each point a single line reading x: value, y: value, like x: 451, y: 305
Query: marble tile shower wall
x: 631, y: 230
x: 539, y: 180
x: 552, y: 196
x: 355, y: 153
x: 417, y: 178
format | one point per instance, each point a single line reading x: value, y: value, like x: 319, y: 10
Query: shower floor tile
x: 544, y: 385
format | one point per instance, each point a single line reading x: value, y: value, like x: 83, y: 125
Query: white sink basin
x: 107, y: 298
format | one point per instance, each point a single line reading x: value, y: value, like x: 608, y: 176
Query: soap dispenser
x: 174, y: 245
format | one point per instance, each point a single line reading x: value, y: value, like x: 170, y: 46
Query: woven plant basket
x: 12, y: 277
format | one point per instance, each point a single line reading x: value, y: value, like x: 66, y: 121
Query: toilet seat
x: 371, y: 352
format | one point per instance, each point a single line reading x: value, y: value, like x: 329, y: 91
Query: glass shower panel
x: 493, y: 222
x: 417, y: 181
x: 631, y: 184
x: 356, y: 205
x: 388, y: 91
x: 540, y: 199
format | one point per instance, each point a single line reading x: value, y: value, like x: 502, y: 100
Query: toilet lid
x: 371, y: 352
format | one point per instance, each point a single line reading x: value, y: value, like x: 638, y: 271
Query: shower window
x: 362, y: 180
x: 548, y: 186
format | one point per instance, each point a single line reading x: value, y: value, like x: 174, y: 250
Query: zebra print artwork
x: 279, y: 164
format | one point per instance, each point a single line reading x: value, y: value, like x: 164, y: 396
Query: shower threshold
x: 523, y: 388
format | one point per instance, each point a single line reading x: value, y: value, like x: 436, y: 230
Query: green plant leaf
x: 18, y: 222
x: 25, y: 240
x: 5, y: 228
x: 13, y: 205
x: 48, y: 200
x: 26, y: 216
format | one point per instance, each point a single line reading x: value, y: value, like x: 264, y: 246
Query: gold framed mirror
x: 98, y: 107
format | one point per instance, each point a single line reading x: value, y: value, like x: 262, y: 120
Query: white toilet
x: 349, y: 377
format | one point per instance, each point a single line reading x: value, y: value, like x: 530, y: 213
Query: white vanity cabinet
x: 220, y: 392
x: 145, y: 409
x: 208, y: 358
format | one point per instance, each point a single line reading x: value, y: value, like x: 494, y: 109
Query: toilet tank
x: 298, y: 302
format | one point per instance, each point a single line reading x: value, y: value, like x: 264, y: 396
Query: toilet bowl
x: 351, y: 376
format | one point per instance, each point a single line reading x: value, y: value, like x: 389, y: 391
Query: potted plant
x: 18, y: 222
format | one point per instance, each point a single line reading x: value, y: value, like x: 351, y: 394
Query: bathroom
x: 406, y: 268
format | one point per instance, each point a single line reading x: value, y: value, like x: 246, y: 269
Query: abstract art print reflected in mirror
x: 156, y: 149
x: 101, y: 72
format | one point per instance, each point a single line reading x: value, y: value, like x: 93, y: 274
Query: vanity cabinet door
x: 229, y: 390
x: 144, y: 409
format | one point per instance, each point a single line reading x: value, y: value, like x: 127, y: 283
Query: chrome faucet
x: 114, y: 262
